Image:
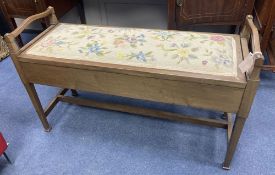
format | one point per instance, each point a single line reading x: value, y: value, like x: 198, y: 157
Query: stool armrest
x: 250, y: 33
x: 10, y: 37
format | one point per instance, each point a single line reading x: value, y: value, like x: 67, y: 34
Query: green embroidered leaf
x: 100, y: 54
x: 148, y: 53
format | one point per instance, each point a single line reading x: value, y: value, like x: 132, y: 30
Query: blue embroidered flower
x: 59, y: 43
x: 163, y: 35
x: 95, y: 48
x: 133, y: 40
x: 141, y: 56
x: 222, y: 60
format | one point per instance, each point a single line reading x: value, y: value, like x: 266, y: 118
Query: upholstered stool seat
x: 204, y: 53
x: 172, y: 67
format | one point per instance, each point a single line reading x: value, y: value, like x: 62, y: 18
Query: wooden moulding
x: 133, y: 110
x: 144, y: 111
x: 60, y: 97
x: 220, y: 98
x: 219, y: 123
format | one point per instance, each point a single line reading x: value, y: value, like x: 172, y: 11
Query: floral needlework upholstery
x: 160, y: 49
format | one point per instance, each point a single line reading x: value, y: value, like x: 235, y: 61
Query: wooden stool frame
x: 238, y: 98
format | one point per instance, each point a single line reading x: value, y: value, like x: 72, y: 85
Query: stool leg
x: 37, y: 105
x: 74, y: 92
x: 234, y: 139
x: 7, y: 158
x: 224, y: 116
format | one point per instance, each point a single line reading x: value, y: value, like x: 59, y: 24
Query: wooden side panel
x: 168, y: 91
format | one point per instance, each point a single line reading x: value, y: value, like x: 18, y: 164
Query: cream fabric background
x: 172, y: 50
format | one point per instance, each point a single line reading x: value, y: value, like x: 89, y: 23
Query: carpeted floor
x: 91, y: 141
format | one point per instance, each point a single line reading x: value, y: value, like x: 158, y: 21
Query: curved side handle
x: 256, y: 48
x: 248, y: 32
x: 10, y: 37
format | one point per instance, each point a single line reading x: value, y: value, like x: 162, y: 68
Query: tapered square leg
x: 37, y: 105
x: 234, y: 139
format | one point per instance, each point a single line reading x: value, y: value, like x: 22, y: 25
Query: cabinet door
x: 61, y: 7
x: 16, y: 8
x: 264, y: 10
x: 212, y: 11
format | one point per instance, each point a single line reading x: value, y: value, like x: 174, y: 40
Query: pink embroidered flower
x: 47, y: 43
x: 51, y: 42
x: 217, y: 38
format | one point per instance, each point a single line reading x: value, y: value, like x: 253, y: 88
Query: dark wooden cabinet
x: 18, y: 9
x: 21, y: 9
x: 265, y: 16
x: 218, y: 12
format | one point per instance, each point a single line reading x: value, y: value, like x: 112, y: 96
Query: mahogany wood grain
x: 264, y: 11
x: 21, y: 9
x: 208, y: 12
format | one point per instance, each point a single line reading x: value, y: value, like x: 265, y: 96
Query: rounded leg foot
x: 224, y: 116
x: 225, y: 167
x: 74, y: 92
x: 48, y: 130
